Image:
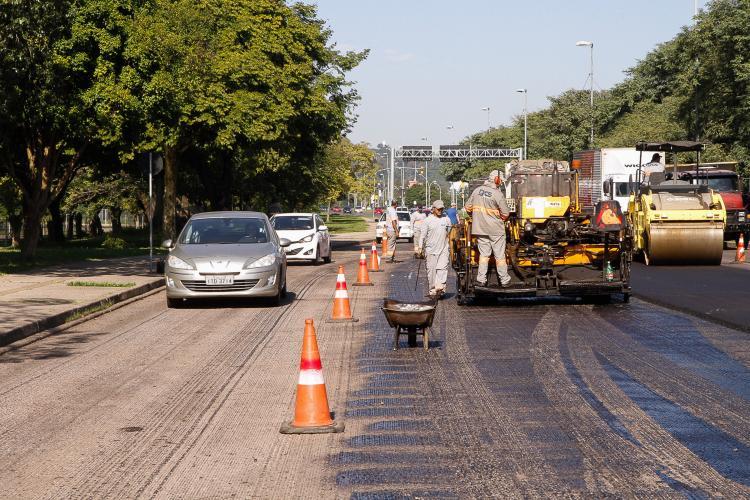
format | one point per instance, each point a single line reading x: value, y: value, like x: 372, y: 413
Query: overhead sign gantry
x: 456, y: 153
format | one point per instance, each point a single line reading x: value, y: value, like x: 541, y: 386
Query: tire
x: 411, y: 240
x: 626, y: 297
x: 379, y: 240
x: 174, y: 303
x: 318, y: 260
x: 327, y: 259
x: 412, y: 339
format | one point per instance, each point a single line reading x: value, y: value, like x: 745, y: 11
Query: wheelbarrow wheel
x: 412, y: 338
x: 426, y: 339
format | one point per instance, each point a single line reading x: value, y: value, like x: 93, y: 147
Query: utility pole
x: 525, y: 122
x: 585, y: 43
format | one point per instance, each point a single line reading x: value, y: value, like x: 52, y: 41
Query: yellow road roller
x: 673, y: 221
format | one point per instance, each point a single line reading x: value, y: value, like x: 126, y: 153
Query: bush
x: 114, y: 243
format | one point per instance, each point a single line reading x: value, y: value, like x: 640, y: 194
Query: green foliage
x: 89, y: 193
x: 114, y: 243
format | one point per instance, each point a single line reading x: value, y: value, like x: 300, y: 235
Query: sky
x: 437, y: 63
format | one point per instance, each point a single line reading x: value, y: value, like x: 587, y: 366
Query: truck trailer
x: 609, y: 173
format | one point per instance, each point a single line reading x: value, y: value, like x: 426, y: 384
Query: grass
x: 89, y: 310
x: 86, y: 249
x: 346, y: 224
x: 103, y: 284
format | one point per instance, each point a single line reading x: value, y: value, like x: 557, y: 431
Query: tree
x: 250, y: 83
x: 11, y: 204
x: 56, y: 61
x: 344, y: 168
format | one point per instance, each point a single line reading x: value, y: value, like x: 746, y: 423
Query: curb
x: 29, y: 329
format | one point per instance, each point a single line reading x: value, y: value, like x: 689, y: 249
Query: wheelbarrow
x: 411, y: 318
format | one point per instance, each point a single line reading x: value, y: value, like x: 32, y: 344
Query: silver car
x: 226, y: 254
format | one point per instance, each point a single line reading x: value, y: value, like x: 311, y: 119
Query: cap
x: 438, y: 204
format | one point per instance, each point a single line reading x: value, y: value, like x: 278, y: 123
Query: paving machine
x: 674, y: 221
x: 553, y: 247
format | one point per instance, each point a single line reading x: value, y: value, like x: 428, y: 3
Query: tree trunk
x: 55, y: 225
x: 170, y: 191
x: 31, y: 232
x: 69, y: 228
x: 116, y: 224
x: 95, y: 226
x: 79, y: 225
x: 16, y: 222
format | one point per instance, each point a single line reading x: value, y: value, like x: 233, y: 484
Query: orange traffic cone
x: 384, y: 249
x: 374, y: 259
x: 363, y: 278
x: 311, y: 413
x: 741, y: 249
x: 341, y: 309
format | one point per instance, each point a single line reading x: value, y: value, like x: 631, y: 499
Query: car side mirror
x: 284, y: 242
x: 606, y: 187
x: 322, y: 228
x: 166, y: 244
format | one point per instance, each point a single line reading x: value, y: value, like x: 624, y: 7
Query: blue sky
x: 438, y: 63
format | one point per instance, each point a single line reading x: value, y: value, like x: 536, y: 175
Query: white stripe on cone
x: 341, y: 278
x: 340, y: 294
x: 311, y: 377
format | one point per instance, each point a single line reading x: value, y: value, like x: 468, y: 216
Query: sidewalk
x: 41, y: 299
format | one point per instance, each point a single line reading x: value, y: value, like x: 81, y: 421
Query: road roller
x: 553, y: 247
x: 674, y: 221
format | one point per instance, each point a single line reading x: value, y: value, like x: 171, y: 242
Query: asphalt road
x: 522, y: 399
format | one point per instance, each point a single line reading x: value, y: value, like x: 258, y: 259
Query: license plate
x: 220, y: 280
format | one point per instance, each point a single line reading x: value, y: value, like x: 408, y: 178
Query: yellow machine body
x: 541, y: 208
x: 678, y: 227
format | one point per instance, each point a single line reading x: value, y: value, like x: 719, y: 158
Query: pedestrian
x: 452, y: 214
x: 417, y: 218
x: 489, y: 212
x: 433, y: 245
x: 391, y: 230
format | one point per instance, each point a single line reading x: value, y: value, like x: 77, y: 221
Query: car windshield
x: 292, y: 222
x: 624, y: 188
x: 722, y: 183
x: 403, y: 216
x: 224, y: 230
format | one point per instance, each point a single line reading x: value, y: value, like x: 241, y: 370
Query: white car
x: 309, y: 236
x: 404, y: 226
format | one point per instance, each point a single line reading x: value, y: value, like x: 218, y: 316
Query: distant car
x: 358, y: 210
x: 404, y: 226
x: 336, y: 210
x: 347, y: 209
x: 378, y: 211
x: 309, y: 236
x: 226, y: 254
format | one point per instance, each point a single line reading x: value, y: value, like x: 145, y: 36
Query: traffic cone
x: 311, y: 412
x: 341, y: 309
x: 384, y: 249
x: 363, y: 278
x: 374, y: 259
x: 740, y: 257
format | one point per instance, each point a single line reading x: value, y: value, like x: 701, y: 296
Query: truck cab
x: 728, y: 184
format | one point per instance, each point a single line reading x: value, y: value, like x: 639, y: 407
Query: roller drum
x: 685, y: 243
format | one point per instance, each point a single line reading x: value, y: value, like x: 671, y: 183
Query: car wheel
x: 379, y: 239
x: 411, y: 240
x: 317, y: 260
x: 327, y: 259
x: 174, y: 303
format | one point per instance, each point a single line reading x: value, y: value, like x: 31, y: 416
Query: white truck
x: 609, y: 167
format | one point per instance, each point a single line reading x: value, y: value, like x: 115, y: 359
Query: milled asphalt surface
x: 520, y: 399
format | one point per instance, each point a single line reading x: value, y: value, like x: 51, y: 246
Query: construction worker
x: 654, y: 166
x: 489, y: 212
x: 417, y: 218
x: 391, y: 229
x: 433, y: 244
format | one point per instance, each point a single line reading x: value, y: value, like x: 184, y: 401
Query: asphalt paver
x: 519, y: 399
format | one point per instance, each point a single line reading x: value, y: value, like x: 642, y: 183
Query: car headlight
x: 265, y: 261
x: 177, y: 263
x: 306, y: 239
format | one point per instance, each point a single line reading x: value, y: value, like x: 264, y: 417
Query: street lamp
x: 585, y: 43
x: 440, y: 189
x: 487, y: 109
x: 525, y: 122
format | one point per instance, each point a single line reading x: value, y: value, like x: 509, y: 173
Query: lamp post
x: 525, y: 122
x: 440, y: 189
x: 487, y: 109
x: 585, y: 43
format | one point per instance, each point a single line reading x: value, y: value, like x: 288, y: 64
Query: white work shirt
x: 417, y: 218
x: 434, y: 235
x: 390, y: 216
x: 653, y: 166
